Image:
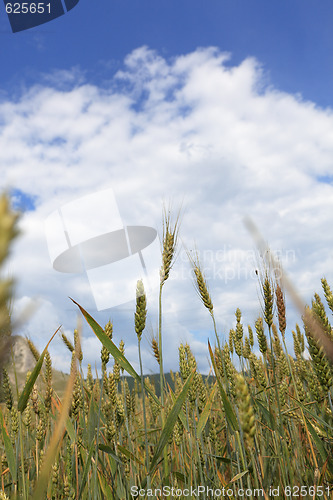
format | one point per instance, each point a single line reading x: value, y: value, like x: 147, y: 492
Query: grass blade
x: 266, y: 414
x: 181, y: 415
x: 170, y: 422
x: 317, y: 441
x: 22, y: 403
x: 229, y: 412
x: 110, y: 451
x: 113, y: 349
x: 56, y: 440
x: 206, y: 412
x: 70, y: 430
x: 86, y: 469
x: 238, y: 476
x: 129, y: 454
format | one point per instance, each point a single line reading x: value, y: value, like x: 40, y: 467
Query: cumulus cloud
x: 195, y: 129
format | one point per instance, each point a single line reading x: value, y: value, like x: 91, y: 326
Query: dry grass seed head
x: 154, y: 345
x: 262, y: 341
x: 266, y: 290
x: 319, y: 310
x: 300, y: 337
x: 246, y: 348
x: 105, y: 355
x: 328, y: 293
x: 67, y: 342
x: 251, y: 339
x: 268, y: 301
x: 200, y: 282
x: 232, y: 334
x: 33, y: 349
x: 48, y: 368
x: 9, y: 400
x: 169, y: 244
x: 320, y: 362
x: 77, y: 345
x: 281, y: 308
x: 109, y: 329
x: 141, y: 309
x: 297, y: 347
x: 246, y: 413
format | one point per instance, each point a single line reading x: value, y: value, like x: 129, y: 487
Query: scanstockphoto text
x: 227, y: 264
x: 227, y: 492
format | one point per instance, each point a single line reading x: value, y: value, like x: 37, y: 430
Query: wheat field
x: 260, y: 427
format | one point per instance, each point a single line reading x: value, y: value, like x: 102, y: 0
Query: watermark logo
x: 227, y: 264
x: 88, y: 235
x: 24, y: 15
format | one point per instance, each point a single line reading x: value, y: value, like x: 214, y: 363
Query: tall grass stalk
x: 169, y: 245
x: 140, y: 323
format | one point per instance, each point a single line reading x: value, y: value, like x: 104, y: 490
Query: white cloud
x: 193, y: 128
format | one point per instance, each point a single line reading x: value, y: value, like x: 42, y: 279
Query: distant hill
x: 23, y: 358
x: 25, y: 362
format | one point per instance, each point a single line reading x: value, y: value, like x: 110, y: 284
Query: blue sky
x: 225, y: 105
x: 293, y: 40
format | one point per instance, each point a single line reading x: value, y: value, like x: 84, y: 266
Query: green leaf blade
x: 170, y: 422
x: 113, y: 349
x: 22, y: 402
x: 229, y: 412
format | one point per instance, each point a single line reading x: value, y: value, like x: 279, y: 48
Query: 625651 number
x: 25, y: 8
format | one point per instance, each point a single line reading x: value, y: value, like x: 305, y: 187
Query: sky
x: 222, y: 108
